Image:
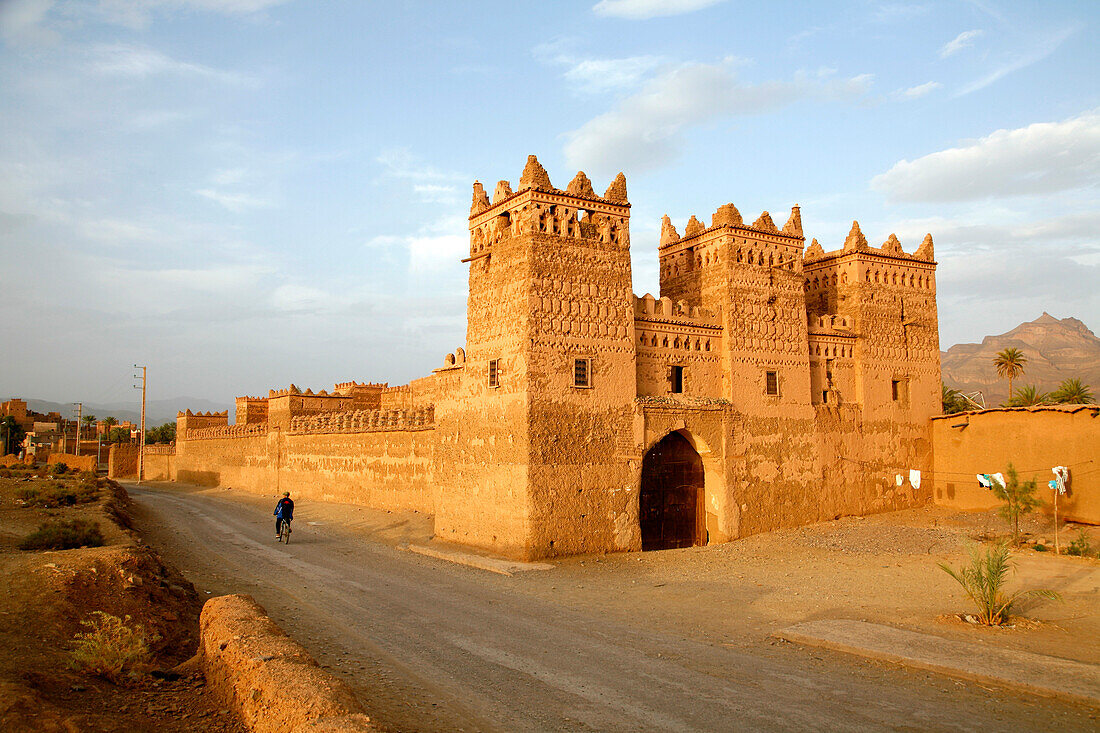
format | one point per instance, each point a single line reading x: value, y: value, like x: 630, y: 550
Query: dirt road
x: 432, y: 646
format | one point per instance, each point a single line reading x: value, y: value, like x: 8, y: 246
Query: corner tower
x: 550, y: 358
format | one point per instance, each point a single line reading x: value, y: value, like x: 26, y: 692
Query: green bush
x: 66, y: 534
x: 59, y: 469
x: 27, y: 494
x: 983, y: 580
x: 87, y: 476
x: 1040, y: 548
x: 1081, y: 546
x: 111, y: 647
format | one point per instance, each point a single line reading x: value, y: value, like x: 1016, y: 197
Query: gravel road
x: 430, y: 646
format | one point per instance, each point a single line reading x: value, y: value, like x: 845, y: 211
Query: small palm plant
x: 1019, y: 499
x: 1072, y: 392
x: 1010, y: 364
x: 1028, y: 396
x: 983, y: 580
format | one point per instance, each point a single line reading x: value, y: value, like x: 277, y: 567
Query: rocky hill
x: 1055, y: 350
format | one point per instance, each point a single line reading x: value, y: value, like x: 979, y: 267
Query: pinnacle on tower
x: 764, y: 223
x: 693, y: 227
x: 503, y: 191
x: 925, y: 251
x: 892, y: 245
x: 727, y: 215
x: 581, y: 186
x: 855, y: 240
x: 669, y: 234
x: 814, y: 251
x: 617, y: 190
x: 793, y: 227
x: 481, y: 199
x: 535, y: 176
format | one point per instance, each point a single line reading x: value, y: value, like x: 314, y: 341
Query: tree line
x: 1010, y: 364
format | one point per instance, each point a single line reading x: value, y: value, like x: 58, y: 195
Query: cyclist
x: 284, y: 512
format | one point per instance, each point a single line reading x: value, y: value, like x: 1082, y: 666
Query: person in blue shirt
x: 284, y: 511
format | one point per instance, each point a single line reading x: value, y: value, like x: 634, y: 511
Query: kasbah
x: 771, y: 385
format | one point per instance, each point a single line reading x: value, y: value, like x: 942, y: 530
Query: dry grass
x: 112, y: 647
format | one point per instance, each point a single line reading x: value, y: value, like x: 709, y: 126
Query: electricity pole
x: 79, y: 414
x: 141, y: 437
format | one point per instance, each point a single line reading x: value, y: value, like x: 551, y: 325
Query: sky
x: 244, y: 194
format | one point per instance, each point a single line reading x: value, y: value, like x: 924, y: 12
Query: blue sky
x: 248, y: 193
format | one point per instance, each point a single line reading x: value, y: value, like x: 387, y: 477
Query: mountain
x: 157, y: 412
x: 1055, y: 349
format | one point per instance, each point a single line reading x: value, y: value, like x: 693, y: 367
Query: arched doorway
x: 671, y: 510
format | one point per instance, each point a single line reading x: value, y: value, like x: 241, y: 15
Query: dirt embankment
x: 48, y: 594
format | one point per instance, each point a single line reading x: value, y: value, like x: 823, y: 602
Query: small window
x: 676, y: 378
x: 771, y: 383
x: 494, y: 372
x: 824, y: 396
x: 582, y: 372
x: 899, y: 390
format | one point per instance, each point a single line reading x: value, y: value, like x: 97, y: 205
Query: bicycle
x: 284, y: 531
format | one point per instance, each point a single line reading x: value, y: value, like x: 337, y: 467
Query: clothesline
x: 956, y: 473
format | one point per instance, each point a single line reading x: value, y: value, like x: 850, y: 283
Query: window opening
x: 771, y: 386
x: 582, y: 376
x: 676, y: 377
x: 494, y: 372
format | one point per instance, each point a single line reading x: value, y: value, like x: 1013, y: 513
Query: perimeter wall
x: 1033, y: 440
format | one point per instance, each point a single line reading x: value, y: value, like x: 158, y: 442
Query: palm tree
x: 952, y: 400
x: 1072, y: 392
x: 1010, y: 364
x: 1028, y: 396
x: 108, y: 423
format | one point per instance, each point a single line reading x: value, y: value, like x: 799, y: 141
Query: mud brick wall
x: 1034, y: 440
x: 122, y: 460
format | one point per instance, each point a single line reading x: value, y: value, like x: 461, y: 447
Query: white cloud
x: 401, y: 163
x: 598, y: 76
x: 1039, y: 49
x: 1041, y: 158
x: 643, y: 130
x: 21, y: 20
x: 291, y: 297
x: 138, y: 13
x: 645, y: 9
x: 920, y: 90
x: 435, y: 193
x: 235, y: 202
x: 139, y: 62
x: 961, y: 41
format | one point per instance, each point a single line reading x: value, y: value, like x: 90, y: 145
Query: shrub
x: 27, y: 494
x: 983, y: 580
x: 111, y: 647
x: 1081, y: 546
x: 5, y: 473
x: 87, y: 476
x: 1019, y: 499
x: 66, y: 534
x: 1040, y: 548
x: 59, y: 469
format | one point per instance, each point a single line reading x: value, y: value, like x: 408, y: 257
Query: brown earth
x: 1055, y: 349
x: 47, y: 595
x: 632, y: 641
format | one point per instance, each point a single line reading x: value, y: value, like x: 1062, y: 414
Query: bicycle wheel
x: 284, y: 532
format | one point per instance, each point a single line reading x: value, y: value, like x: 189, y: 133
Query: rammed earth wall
x: 1033, y: 440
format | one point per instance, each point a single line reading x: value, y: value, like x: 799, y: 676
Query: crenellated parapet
x: 223, y: 431
x: 364, y: 421
x: 649, y: 308
x: 858, y: 261
x: 730, y: 240
x: 537, y: 207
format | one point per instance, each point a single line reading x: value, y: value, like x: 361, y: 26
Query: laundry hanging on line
x: 1061, y: 479
x: 914, y: 478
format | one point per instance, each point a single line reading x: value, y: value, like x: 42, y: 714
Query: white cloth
x: 984, y: 480
x: 999, y: 478
x: 899, y: 479
x: 914, y: 478
x: 1061, y: 477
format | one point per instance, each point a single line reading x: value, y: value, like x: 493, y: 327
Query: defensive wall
x: 770, y: 385
x: 1033, y: 440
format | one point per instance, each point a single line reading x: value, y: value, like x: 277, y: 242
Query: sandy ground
x: 43, y: 598
x: 674, y: 640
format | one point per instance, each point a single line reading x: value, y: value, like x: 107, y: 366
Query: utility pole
x: 141, y: 437
x: 79, y: 414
